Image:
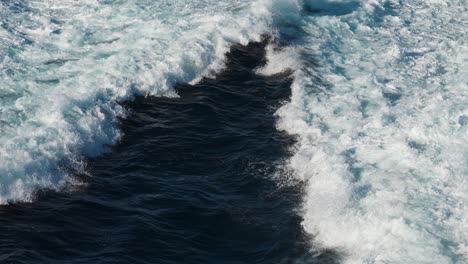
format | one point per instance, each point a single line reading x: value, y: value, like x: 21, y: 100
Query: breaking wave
x: 379, y: 104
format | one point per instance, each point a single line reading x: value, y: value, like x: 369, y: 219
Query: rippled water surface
x: 153, y: 132
x: 190, y: 182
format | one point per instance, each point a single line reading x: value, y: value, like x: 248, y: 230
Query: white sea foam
x: 383, y: 131
x: 280, y: 60
x: 65, y: 66
x: 379, y: 104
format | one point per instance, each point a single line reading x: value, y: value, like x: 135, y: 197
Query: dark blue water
x: 194, y: 180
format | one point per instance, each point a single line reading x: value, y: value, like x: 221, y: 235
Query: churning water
x: 150, y: 132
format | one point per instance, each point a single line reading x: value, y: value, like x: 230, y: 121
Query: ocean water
x: 265, y: 131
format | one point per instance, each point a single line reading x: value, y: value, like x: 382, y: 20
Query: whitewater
x: 66, y: 65
x: 379, y: 104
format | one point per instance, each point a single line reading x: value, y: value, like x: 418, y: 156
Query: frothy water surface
x: 190, y: 182
x: 378, y: 106
x: 66, y: 65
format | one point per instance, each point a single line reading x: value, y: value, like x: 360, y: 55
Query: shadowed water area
x: 196, y: 179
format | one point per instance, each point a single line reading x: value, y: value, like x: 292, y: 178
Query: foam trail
x: 280, y: 60
x: 383, y: 137
x: 66, y: 65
